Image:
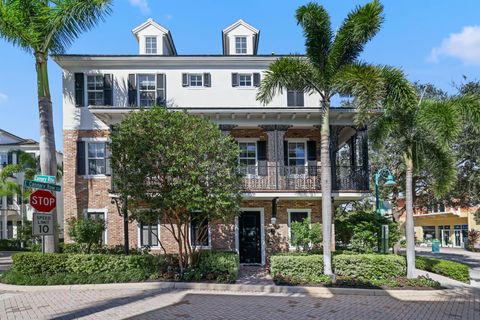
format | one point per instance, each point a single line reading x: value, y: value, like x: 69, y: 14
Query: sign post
x: 43, y: 201
x: 42, y: 226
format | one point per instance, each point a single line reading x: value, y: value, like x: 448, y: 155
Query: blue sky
x: 432, y: 41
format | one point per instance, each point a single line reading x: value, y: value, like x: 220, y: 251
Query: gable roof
x: 240, y: 22
x: 151, y: 22
x: 17, y: 140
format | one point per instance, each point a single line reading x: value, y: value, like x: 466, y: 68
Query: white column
x: 4, y: 212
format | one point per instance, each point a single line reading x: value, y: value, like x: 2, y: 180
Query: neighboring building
x: 447, y: 224
x: 11, y: 210
x: 279, y: 142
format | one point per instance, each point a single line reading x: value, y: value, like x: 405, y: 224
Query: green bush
x: 86, y: 232
x: 10, y: 245
x: 369, y: 266
x: 454, y: 270
x: 306, y: 235
x: 217, y: 266
x: 297, y: 268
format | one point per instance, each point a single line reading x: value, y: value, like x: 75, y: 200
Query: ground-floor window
x: 295, y: 216
x: 98, y: 215
x: 199, y: 231
x: 149, y: 235
x: 429, y: 233
x: 444, y: 235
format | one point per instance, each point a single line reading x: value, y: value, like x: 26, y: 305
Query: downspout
x: 276, y: 158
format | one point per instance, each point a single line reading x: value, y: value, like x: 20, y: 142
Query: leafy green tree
x: 332, y: 67
x: 27, y: 165
x: 305, y: 235
x: 86, y: 232
x: 174, y: 167
x: 424, y: 131
x: 44, y: 27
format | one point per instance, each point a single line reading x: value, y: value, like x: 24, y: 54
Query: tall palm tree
x: 424, y: 132
x: 331, y: 67
x: 44, y: 27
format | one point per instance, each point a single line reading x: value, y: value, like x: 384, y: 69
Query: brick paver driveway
x: 196, y: 304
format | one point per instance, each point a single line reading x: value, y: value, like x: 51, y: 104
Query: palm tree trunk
x: 48, y: 160
x: 409, y: 226
x: 326, y: 176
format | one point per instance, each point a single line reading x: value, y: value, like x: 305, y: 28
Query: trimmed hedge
x: 11, y: 245
x: 369, y: 266
x: 215, y: 266
x: 451, y: 269
x: 297, y: 268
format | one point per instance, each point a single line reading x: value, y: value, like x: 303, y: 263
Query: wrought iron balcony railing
x: 301, y: 178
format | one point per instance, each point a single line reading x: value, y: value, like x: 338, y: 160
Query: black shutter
x: 161, y: 92
x: 256, y: 79
x: 290, y: 98
x: 184, y: 79
x: 108, y: 90
x: 311, y: 150
x: 9, y: 158
x: 285, y: 158
x: 262, y: 158
x: 300, y: 100
x: 234, y: 79
x: 132, y: 90
x: 108, y: 167
x: 79, y: 90
x: 80, y: 157
x: 207, y: 80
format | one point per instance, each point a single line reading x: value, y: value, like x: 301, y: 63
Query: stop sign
x: 43, y: 201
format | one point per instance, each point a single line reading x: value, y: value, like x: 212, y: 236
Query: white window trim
x: 139, y: 237
x: 298, y: 140
x: 85, y: 81
x: 251, y: 86
x: 289, y: 211
x: 262, y: 232
x: 246, y: 44
x: 209, y: 247
x: 137, y: 76
x: 105, y: 214
x: 156, y: 44
x: 250, y: 140
x: 190, y: 84
x: 87, y: 175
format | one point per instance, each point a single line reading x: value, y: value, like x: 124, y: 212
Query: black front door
x: 249, y: 234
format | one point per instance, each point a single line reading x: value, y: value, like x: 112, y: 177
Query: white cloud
x: 464, y: 46
x: 142, y: 5
x: 3, y: 98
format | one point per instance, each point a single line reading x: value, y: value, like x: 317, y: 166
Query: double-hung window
x: 3, y: 159
x: 248, y: 157
x: 98, y: 216
x: 240, y: 45
x: 297, y: 160
x: 199, y: 231
x: 196, y: 80
x: 244, y: 80
x: 295, y: 98
x: 95, y: 90
x: 149, y: 235
x: 96, y: 158
x: 151, y: 45
x: 296, y: 216
x: 147, y: 89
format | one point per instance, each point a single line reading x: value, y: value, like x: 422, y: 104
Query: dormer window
x: 151, y: 45
x: 241, y: 45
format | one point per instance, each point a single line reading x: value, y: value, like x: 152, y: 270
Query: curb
x: 227, y: 287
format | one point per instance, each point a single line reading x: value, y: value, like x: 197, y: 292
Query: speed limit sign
x: 42, y: 224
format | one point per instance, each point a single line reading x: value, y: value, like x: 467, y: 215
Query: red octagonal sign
x: 43, y: 201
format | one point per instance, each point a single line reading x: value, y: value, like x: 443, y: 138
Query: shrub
x: 306, y: 235
x: 473, y: 237
x: 454, y: 270
x: 10, y: 245
x: 86, y: 232
x: 369, y: 266
x: 217, y: 266
x: 297, y: 269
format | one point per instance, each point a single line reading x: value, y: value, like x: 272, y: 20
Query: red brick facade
x: 92, y: 193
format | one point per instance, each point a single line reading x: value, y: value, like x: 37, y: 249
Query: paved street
x: 196, y: 304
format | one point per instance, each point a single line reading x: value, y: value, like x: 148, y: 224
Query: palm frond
x: 318, y: 33
x: 380, y: 129
x: 440, y: 120
x: 69, y: 18
x: 358, y: 28
x: 365, y: 84
x: 399, y: 92
x: 287, y: 73
x: 469, y: 108
x: 16, y: 17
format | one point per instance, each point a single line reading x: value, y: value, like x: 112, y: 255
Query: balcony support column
x: 275, y: 137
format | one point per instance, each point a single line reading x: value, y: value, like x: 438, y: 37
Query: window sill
x: 196, y: 88
x: 202, y: 247
x: 95, y: 176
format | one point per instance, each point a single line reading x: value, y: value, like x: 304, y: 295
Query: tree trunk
x: 409, y: 226
x: 326, y: 175
x: 48, y: 159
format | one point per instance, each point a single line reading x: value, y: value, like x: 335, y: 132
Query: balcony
x: 301, y: 178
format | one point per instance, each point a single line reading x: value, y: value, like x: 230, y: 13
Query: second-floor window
x: 295, y: 98
x: 244, y: 80
x: 196, y: 80
x: 95, y: 90
x: 146, y: 89
x: 296, y: 157
x: 96, y: 158
x: 151, y: 45
x: 240, y: 45
x: 248, y: 157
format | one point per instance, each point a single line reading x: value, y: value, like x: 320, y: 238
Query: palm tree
x: 331, y: 67
x: 424, y: 132
x: 44, y: 27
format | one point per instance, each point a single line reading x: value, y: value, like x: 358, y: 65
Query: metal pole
x: 125, y: 225
x: 377, y: 196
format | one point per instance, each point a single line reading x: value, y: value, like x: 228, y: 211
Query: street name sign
x: 42, y: 224
x: 46, y: 179
x: 41, y: 185
x: 43, y: 201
